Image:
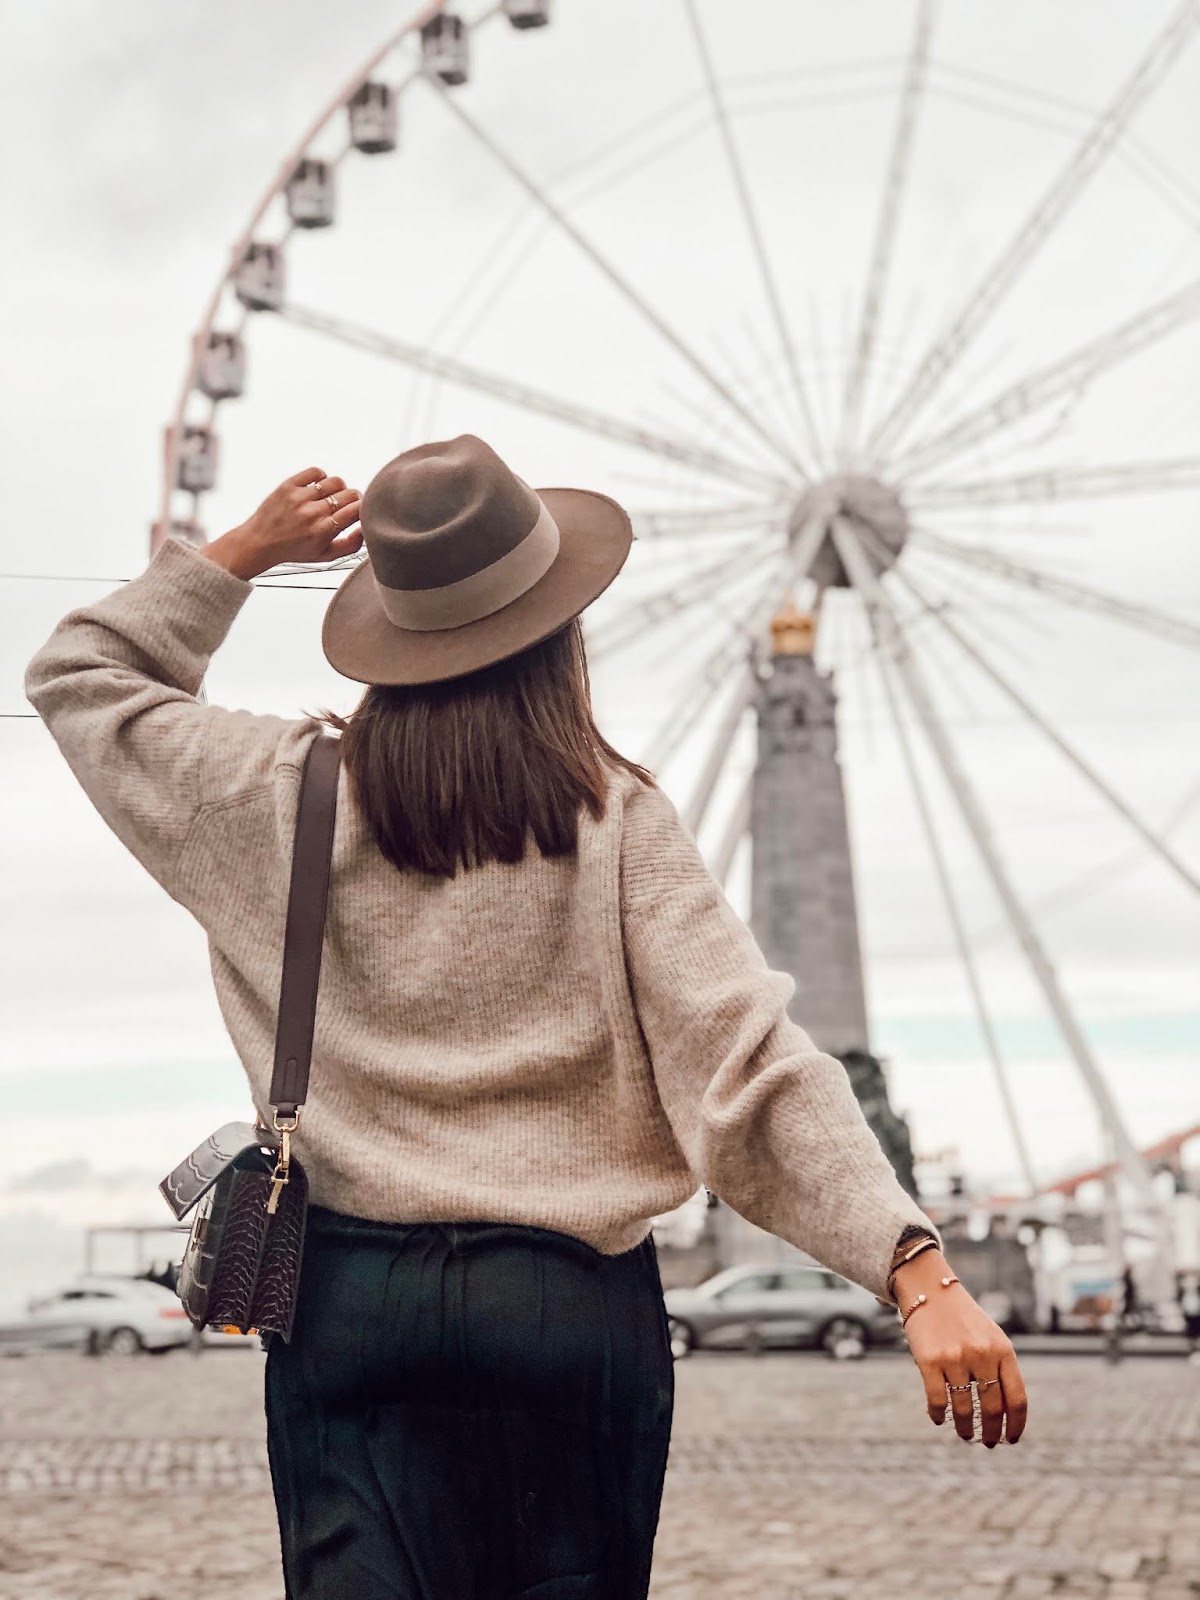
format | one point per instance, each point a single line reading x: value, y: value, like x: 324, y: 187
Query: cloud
x: 55, y: 1176
x: 73, y: 1174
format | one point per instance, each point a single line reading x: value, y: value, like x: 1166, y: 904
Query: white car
x: 120, y: 1316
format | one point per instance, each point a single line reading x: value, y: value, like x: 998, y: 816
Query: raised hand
x: 306, y: 518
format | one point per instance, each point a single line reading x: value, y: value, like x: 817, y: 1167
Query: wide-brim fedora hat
x: 466, y: 565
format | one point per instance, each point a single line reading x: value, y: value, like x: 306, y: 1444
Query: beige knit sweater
x: 570, y: 1043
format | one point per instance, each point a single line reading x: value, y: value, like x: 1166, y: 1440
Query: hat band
x: 493, y: 587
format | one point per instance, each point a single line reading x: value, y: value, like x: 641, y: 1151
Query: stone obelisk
x: 802, y: 906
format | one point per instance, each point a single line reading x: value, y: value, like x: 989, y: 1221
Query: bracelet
x: 925, y: 1243
x: 922, y: 1299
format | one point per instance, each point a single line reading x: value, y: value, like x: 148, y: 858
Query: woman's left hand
x: 960, y: 1352
x: 305, y: 519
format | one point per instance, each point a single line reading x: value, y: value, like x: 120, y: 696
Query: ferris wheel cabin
x: 259, y: 278
x: 221, y: 367
x: 372, y: 111
x: 310, y: 194
x: 527, y: 13
x: 196, y: 459
x: 445, y: 49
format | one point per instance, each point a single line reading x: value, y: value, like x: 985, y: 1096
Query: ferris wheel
x: 900, y: 475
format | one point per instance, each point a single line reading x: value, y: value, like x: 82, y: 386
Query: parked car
x: 28, y: 1336
x: 121, y: 1316
x: 166, y: 1274
x: 753, y: 1308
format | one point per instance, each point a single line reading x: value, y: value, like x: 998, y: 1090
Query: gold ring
x: 958, y: 1388
x: 331, y: 502
x: 985, y: 1383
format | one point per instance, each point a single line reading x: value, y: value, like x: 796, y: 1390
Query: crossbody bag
x: 241, y: 1264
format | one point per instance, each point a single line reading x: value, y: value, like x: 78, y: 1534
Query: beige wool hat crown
x: 466, y: 565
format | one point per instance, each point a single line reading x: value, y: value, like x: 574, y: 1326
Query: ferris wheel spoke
x: 761, y: 515
x: 683, y: 716
x: 744, y: 627
x: 887, y: 225
x: 510, y: 246
x: 1059, y: 483
x: 753, y: 227
x: 528, y: 398
x: 995, y: 621
x: 739, y: 702
x: 703, y: 584
x: 1054, y: 205
x: 870, y: 647
x: 618, y: 279
x: 1099, y: 878
x: 1162, y: 624
x: 1068, y: 376
x: 793, y: 569
x: 708, y: 416
x: 958, y: 925
x: 1045, y: 727
x: 776, y: 387
x: 879, y: 612
x: 759, y: 384
x: 1166, y: 182
x: 737, y: 827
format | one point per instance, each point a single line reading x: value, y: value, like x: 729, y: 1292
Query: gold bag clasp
x: 279, y: 1177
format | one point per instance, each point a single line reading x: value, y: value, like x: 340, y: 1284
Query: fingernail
x: 989, y: 1445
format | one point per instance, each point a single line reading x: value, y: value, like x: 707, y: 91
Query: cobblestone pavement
x: 791, y: 1478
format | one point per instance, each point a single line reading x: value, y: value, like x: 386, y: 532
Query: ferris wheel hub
x: 873, y: 509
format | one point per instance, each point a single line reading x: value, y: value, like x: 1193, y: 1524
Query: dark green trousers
x: 469, y: 1411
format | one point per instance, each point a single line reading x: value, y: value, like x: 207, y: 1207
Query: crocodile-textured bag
x: 241, y: 1264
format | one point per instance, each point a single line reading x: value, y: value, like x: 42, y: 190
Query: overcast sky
x: 139, y: 140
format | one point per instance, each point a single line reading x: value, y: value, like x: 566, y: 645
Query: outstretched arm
x: 766, y: 1120
x: 117, y: 682
x: 771, y: 1124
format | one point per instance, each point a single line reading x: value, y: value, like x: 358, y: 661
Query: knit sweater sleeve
x: 765, y: 1119
x: 117, y: 685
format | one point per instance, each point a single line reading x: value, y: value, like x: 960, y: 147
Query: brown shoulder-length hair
x: 460, y: 773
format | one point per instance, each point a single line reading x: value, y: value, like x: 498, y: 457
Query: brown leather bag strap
x: 308, y: 896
